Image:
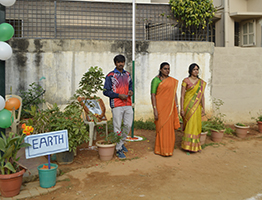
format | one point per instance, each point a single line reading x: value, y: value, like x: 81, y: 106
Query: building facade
x: 239, y: 24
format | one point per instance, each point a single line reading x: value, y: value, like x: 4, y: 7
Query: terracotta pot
x: 216, y: 136
x: 10, y: 184
x: 106, y: 151
x: 203, y: 137
x: 241, y: 131
x: 259, y: 123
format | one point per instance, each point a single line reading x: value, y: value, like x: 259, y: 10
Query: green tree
x: 193, y: 14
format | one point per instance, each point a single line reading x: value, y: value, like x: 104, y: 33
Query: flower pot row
x: 10, y: 184
x: 217, y: 135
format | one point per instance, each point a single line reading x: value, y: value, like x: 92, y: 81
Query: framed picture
x: 93, y: 108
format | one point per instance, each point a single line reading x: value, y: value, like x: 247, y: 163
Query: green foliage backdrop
x: 193, y: 13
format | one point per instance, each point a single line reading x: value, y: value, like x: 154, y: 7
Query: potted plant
x: 90, y: 83
x: 32, y: 96
x: 47, y: 176
x: 204, y: 132
x: 241, y: 130
x: 259, y: 121
x: 11, y: 172
x: 77, y: 130
x: 106, y: 147
x: 54, y: 119
x: 216, y: 124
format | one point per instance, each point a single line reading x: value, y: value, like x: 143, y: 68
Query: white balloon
x: 2, y: 103
x: 5, y: 51
x: 7, y: 2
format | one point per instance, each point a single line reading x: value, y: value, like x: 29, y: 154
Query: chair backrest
x: 95, y: 106
x: 16, y: 117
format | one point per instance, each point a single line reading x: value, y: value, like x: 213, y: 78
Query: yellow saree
x: 192, y: 120
x: 168, y: 119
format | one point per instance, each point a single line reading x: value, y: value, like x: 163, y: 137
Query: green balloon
x: 6, y: 32
x: 6, y: 118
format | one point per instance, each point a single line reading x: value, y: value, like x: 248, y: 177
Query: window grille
x: 63, y: 19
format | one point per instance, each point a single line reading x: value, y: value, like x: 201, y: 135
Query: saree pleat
x: 192, y: 119
x: 168, y: 119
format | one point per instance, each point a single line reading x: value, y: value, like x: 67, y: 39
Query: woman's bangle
x: 177, y: 106
x: 154, y: 106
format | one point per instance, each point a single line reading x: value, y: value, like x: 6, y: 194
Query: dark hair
x: 119, y: 58
x: 161, y: 66
x: 191, y: 67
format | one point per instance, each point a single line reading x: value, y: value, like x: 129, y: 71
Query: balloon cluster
x: 6, y: 33
x: 6, y: 108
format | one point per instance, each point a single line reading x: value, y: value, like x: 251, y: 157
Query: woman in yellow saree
x: 192, y: 108
x: 164, y: 102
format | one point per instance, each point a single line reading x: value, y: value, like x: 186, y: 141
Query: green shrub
x: 239, y: 124
x: 229, y: 131
x: 147, y: 125
x: 193, y: 13
x: 31, y: 97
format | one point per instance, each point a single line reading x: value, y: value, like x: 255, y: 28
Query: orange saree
x: 168, y: 119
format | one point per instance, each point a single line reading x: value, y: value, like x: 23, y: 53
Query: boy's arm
x: 108, y: 89
x: 130, y: 87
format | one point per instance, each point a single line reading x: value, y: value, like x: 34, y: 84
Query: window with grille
x: 17, y: 25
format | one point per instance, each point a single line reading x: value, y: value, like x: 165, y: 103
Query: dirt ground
x: 227, y: 170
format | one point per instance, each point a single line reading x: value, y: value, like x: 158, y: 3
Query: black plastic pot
x: 65, y: 158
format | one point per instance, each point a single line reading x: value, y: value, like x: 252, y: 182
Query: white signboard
x: 46, y: 143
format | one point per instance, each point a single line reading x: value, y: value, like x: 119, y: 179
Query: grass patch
x: 135, y: 158
x: 66, y: 179
x: 147, y: 125
x: 210, y: 144
x: 229, y: 131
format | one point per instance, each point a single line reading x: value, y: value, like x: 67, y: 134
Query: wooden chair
x: 16, y: 115
x: 95, y: 106
x: 49, y: 105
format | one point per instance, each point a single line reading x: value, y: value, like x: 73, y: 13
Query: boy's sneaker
x: 124, y: 149
x: 120, y: 154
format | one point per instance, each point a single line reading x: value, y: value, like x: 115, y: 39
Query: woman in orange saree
x: 164, y: 102
x: 192, y: 107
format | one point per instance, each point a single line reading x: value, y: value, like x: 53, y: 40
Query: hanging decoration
x: 6, y: 118
x: 7, y: 3
x: 2, y: 103
x: 12, y: 103
x: 6, y: 32
x: 5, y: 51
